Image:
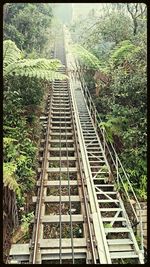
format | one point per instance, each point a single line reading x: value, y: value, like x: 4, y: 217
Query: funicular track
x: 80, y: 216
x: 62, y: 230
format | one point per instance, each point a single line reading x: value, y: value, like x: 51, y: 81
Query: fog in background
x: 69, y: 12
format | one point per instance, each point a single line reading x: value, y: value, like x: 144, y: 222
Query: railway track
x: 74, y: 198
x: 61, y: 165
x: 62, y: 231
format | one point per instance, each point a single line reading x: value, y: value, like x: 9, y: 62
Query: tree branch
x: 128, y: 8
x: 142, y: 11
x: 136, y: 9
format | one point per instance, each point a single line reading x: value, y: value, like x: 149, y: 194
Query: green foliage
x: 113, y: 27
x: 26, y: 219
x: 26, y: 24
x: 40, y: 68
x: 107, y: 225
x: 86, y: 57
x: 18, y: 163
x: 113, y: 126
x: 122, y: 102
x: 18, y: 37
x: 125, y: 50
x: 19, y: 150
x: 9, y: 178
x: 99, y: 33
x: 27, y: 29
x: 11, y: 53
x: 142, y: 190
x: 25, y: 172
x: 9, y: 148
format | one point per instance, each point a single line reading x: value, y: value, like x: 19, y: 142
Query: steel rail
x: 40, y: 193
x: 36, y: 229
x: 92, y: 111
x: 60, y: 225
x: 71, y: 227
x: 44, y: 165
x: 68, y: 176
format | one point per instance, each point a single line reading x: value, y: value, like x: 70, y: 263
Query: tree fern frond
x: 9, y: 169
x: 85, y: 56
x: 33, y: 63
x: 40, y: 68
x: 38, y: 73
x: 124, y: 50
x: 40, y: 63
x: 7, y: 141
x: 11, y: 52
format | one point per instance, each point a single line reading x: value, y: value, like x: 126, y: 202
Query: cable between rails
x: 68, y: 176
x: 60, y: 211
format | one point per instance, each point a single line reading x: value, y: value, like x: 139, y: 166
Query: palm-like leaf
x: 11, y: 53
x: 44, y: 69
x: 40, y: 68
x: 9, y: 177
x: 85, y: 56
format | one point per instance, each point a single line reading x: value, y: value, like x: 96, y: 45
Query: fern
x: 113, y: 126
x: 11, y: 53
x: 85, y: 56
x: 9, y: 180
x: 142, y: 190
x: 7, y: 140
x: 40, y: 68
x: 124, y: 50
x: 38, y: 73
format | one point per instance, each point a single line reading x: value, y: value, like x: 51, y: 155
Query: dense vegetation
x: 27, y: 33
x: 27, y: 25
x: 111, y: 47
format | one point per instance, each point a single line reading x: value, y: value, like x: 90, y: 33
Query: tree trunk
x: 135, y: 26
x: 4, y: 12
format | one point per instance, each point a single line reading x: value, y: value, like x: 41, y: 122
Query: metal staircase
x: 117, y: 227
x: 117, y: 232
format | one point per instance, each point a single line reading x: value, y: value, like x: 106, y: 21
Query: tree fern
x: 124, y: 50
x: 11, y: 53
x: 41, y: 68
x: 9, y: 180
x: 86, y: 57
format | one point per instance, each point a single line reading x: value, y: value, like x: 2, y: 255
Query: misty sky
x: 79, y: 9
